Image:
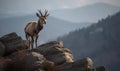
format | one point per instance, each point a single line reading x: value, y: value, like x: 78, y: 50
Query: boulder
x: 26, y: 61
x: 101, y: 68
x: 2, y: 49
x: 3, y: 63
x: 85, y: 64
x: 51, y: 56
x: 33, y: 61
x: 55, y: 52
x: 12, y: 43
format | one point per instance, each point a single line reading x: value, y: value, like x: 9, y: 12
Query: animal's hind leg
x: 36, y: 40
x: 28, y: 40
x: 32, y: 42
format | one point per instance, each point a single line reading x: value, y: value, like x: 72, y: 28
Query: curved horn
x: 40, y: 12
x: 46, y: 12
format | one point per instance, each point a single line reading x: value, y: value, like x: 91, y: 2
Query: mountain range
x: 57, y: 26
x: 87, y: 13
x: 54, y: 27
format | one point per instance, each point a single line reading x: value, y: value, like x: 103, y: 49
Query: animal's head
x: 42, y: 18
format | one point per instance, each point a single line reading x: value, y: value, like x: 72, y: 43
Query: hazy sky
x: 30, y: 6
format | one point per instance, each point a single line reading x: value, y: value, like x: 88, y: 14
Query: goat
x: 32, y: 29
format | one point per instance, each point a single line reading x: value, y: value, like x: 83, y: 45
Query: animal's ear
x: 37, y: 15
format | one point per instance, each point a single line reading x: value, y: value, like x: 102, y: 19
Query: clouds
x: 14, y: 4
x: 50, y: 4
x: 30, y: 6
x: 85, y: 2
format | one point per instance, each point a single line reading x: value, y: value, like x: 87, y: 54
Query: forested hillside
x: 101, y: 41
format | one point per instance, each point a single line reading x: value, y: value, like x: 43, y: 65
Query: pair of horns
x: 46, y: 13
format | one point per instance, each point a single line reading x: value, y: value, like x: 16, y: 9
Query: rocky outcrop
x: 29, y: 61
x: 85, y: 64
x: 55, y: 52
x: 11, y: 43
x: 51, y: 56
x: 2, y: 49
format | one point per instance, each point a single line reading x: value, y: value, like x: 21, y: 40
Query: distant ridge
x: 87, y: 13
x: 50, y: 31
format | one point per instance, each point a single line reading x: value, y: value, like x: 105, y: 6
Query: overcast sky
x: 29, y: 6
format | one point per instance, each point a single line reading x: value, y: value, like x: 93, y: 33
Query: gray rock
x: 3, y: 63
x: 26, y: 61
x: 101, y: 68
x: 12, y: 43
x: 85, y: 64
x: 2, y: 49
x: 55, y: 52
x: 33, y: 61
x: 51, y: 56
